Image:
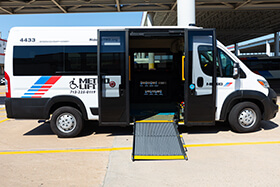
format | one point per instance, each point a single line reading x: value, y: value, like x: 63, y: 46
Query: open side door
x: 113, y: 77
x: 200, y: 77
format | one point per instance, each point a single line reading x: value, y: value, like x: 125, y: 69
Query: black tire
x: 245, y: 117
x: 66, y: 122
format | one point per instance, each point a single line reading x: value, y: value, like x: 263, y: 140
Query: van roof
x: 102, y: 27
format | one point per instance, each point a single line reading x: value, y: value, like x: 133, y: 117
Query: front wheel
x: 66, y: 122
x: 245, y: 117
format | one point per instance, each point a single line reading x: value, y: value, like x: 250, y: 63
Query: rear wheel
x: 245, y: 117
x: 66, y: 122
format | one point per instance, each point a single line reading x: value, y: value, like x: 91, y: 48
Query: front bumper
x: 270, y: 105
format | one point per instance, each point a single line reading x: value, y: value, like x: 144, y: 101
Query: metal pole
x: 150, y: 19
x: 185, y: 12
x: 147, y: 19
x: 236, y: 50
x: 144, y: 19
x: 151, y: 61
x: 276, y: 44
x: 267, y: 48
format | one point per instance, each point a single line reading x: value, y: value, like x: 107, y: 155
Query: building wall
x: 2, y: 50
x: 2, y: 56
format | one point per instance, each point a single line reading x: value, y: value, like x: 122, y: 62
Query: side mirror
x: 236, y: 70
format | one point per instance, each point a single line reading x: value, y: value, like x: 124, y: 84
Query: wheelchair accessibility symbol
x: 73, y: 85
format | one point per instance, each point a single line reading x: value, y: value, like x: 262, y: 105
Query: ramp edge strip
x: 176, y: 157
x: 155, y: 121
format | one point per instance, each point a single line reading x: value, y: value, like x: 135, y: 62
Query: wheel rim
x: 66, y: 122
x: 247, y: 118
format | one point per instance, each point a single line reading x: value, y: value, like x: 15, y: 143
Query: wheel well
x: 61, y: 104
x: 65, y: 100
x: 255, y: 101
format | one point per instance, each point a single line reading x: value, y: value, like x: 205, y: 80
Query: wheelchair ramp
x: 157, y: 141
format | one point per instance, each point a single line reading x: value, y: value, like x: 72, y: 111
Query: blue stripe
x: 29, y: 94
x: 36, y: 86
x: 166, y: 113
x: 226, y: 84
x: 32, y: 90
x: 42, y: 80
x: 25, y: 96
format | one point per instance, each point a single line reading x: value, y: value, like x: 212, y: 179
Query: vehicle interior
x: 155, y: 74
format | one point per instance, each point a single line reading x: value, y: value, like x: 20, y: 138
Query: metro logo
x: 84, y: 84
x: 87, y: 83
x: 41, y: 86
x: 228, y: 84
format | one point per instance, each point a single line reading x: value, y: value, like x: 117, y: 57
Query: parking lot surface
x: 31, y: 155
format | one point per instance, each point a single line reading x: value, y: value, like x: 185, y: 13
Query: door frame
x: 126, y: 78
x: 188, y: 72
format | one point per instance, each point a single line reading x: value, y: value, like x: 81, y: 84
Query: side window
x: 206, y: 60
x: 34, y: 60
x: 112, y: 63
x: 80, y: 59
x: 112, y: 52
x: 55, y: 60
x: 226, y: 64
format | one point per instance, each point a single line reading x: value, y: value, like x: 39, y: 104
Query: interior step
x: 159, y: 117
x: 157, y: 141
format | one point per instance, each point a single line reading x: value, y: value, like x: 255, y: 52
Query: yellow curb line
x: 65, y: 151
x: 129, y: 148
x: 4, y: 120
x: 231, y: 144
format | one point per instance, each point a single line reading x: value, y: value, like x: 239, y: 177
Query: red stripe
x: 2, y: 54
x: 36, y: 96
x: 43, y: 90
x: 3, y: 40
x: 46, y: 86
x: 39, y: 93
x: 52, y: 80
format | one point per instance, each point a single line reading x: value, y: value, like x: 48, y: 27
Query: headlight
x: 263, y: 83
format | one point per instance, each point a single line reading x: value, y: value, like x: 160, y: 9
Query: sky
x: 74, y: 19
x: 77, y: 19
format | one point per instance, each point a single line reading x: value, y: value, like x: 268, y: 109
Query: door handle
x: 121, y: 90
x: 192, y: 89
x: 200, y: 82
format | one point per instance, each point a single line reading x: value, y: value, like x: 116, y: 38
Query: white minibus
x: 122, y: 75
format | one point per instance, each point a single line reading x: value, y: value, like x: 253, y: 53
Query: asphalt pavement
x: 31, y: 155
